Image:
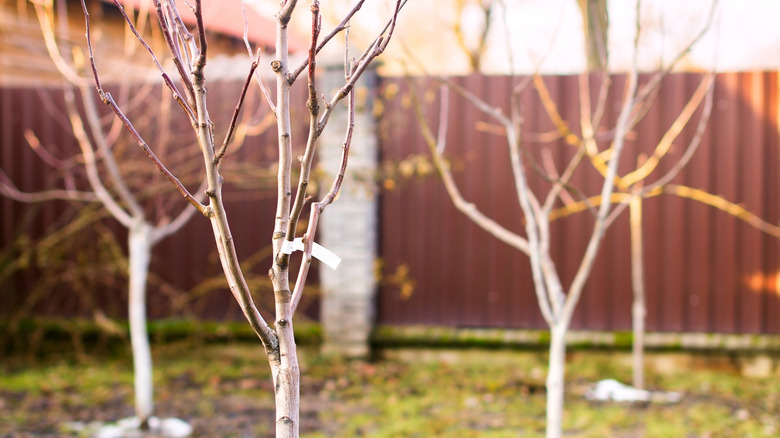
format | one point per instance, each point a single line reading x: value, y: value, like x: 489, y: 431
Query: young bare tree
x: 107, y: 183
x: 557, y: 303
x: 189, y: 53
x: 107, y: 171
x: 635, y: 206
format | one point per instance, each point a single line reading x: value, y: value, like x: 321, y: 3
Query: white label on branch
x: 317, y: 251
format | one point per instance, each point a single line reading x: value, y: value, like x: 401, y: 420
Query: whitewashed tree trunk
x: 638, y: 307
x: 555, y: 381
x: 140, y: 248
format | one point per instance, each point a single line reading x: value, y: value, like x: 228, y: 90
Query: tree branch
x: 8, y: 189
x: 255, y: 59
x: 687, y: 155
x: 110, y: 164
x: 236, y: 111
x: 671, y: 134
x: 314, y: 129
x: 344, y: 24
x: 166, y: 79
x: 200, y: 61
x: 622, y: 127
x: 470, y: 210
x: 308, y: 244
x: 374, y: 50
x: 108, y: 100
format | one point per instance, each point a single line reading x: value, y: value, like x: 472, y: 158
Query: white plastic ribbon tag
x: 317, y: 251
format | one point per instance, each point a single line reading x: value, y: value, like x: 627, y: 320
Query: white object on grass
x: 317, y: 251
x: 611, y: 389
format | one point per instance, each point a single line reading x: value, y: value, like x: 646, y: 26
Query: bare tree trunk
x: 595, y: 25
x: 555, y: 380
x: 638, y: 308
x: 286, y: 375
x: 140, y: 248
x: 284, y: 360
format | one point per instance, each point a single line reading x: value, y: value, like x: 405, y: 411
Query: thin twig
x: 444, y: 106
x: 255, y: 58
x: 552, y: 112
x: 308, y: 244
x: 49, y: 39
x: 345, y: 147
x: 8, y: 189
x: 162, y: 231
x: 236, y: 112
x: 108, y: 100
x: 200, y: 62
x: 109, y: 162
x: 375, y: 49
x: 653, y: 82
x: 339, y: 28
x: 664, y: 145
x: 166, y: 79
x: 44, y: 154
x: 90, y: 165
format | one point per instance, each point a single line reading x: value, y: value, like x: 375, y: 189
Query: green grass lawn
x: 225, y: 390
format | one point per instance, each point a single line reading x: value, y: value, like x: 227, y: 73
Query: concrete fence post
x: 349, y: 226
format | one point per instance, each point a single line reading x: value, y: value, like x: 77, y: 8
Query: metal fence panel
x: 706, y: 271
x: 186, y: 279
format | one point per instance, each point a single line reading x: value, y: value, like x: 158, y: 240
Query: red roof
x: 226, y: 17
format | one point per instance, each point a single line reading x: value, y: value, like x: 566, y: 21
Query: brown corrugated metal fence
x: 186, y: 279
x: 706, y: 271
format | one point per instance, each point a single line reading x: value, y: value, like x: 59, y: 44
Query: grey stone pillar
x: 348, y: 227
